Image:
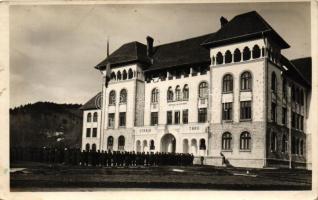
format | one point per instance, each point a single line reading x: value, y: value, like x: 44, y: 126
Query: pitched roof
x: 192, y: 51
x: 296, y: 73
x: 304, y: 66
x: 244, y: 26
x: 93, y: 103
x: 127, y: 53
x: 185, y: 52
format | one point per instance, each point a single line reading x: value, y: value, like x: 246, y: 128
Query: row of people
x: 99, y: 158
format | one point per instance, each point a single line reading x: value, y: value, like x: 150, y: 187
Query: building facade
x: 227, y: 96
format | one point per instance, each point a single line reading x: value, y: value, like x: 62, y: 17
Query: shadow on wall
x: 225, y: 161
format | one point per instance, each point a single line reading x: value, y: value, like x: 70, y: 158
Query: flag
x: 108, y: 71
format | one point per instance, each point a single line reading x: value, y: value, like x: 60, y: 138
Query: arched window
x: 228, y: 57
x: 228, y: 83
x: 246, y: 53
x: 123, y: 96
x: 125, y: 75
x: 95, y: 117
x: 118, y: 75
x: 89, y: 117
x: 130, y: 74
x: 170, y: 94
x: 112, y: 97
x: 87, y: 147
x: 274, y: 83
x: 202, y: 144
x: 185, y: 92
x: 213, y: 60
x: 121, y: 142
x: 110, y: 142
x: 178, y: 93
x: 256, y: 51
x: 219, y: 58
x: 237, y: 55
x: 203, y: 90
x: 274, y: 142
x: 226, y: 141
x: 152, y: 145
x: 246, y: 81
x: 113, y: 76
x: 245, y: 141
x: 284, y: 144
x: 94, y: 147
x: 154, y: 95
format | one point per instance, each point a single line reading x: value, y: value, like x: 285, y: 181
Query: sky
x: 53, y: 49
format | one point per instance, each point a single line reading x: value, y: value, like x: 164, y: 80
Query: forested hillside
x: 46, y: 124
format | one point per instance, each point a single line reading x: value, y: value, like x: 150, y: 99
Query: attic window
x: 237, y: 55
x: 228, y: 57
x: 219, y: 58
x: 246, y: 53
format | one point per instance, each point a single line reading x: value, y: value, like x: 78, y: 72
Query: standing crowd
x: 99, y: 158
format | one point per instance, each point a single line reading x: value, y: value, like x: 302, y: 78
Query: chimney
x: 149, y: 46
x: 223, y: 21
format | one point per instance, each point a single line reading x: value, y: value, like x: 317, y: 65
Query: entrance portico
x: 168, y: 143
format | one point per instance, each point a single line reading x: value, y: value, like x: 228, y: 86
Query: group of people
x: 99, y: 158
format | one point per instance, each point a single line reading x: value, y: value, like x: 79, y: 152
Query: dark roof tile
x: 93, y: 103
x: 244, y: 26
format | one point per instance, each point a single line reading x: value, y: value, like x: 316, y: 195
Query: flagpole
x: 103, y: 94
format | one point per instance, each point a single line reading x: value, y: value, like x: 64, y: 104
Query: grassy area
x: 39, y: 176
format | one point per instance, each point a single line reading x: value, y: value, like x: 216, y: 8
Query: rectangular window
x: 293, y: 120
x: 111, y: 120
x: 169, y: 117
x: 122, y: 119
x: 177, y: 117
x: 284, y: 116
x: 297, y: 121
x: 273, y: 112
x: 227, y: 111
x: 185, y: 116
x: 246, y: 110
x: 94, y: 132
x: 202, y: 115
x: 301, y: 123
x: 154, y: 118
x: 88, y: 132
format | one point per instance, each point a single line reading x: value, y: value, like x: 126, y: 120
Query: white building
x: 230, y: 93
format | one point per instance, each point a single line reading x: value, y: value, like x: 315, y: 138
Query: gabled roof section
x: 185, y: 52
x: 92, y: 103
x: 304, y: 66
x: 243, y: 27
x: 296, y: 73
x: 127, y: 53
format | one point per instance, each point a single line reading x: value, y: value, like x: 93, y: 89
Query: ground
x: 45, y: 177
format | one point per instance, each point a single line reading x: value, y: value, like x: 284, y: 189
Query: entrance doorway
x: 168, y: 143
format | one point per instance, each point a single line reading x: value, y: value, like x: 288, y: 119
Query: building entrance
x: 168, y: 143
